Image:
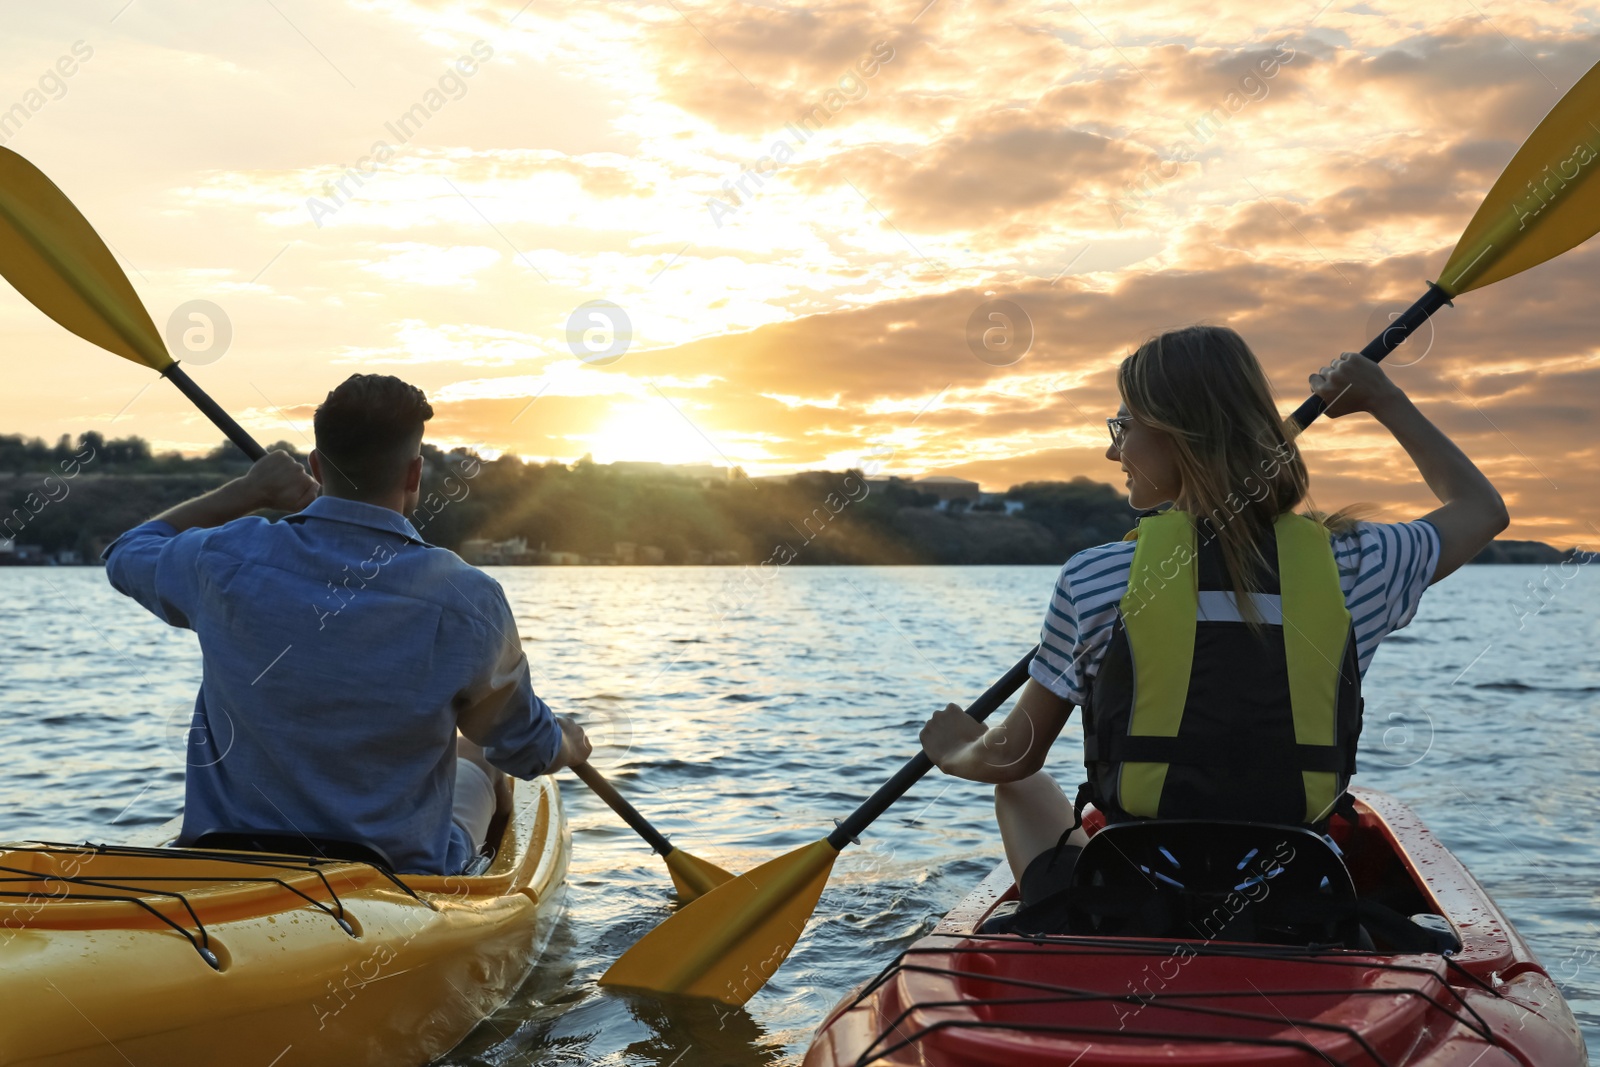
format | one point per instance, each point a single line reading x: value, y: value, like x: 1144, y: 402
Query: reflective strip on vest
x: 1159, y: 614
x: 1219, y: 605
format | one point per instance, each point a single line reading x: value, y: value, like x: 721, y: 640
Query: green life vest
x: 1192, y: 715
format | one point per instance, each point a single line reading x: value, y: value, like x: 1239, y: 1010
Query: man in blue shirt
x: 342, y: 653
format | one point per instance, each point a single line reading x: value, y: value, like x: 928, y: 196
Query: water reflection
x: 744, y: 737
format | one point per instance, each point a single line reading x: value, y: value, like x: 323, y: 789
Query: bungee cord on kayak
x: 1083, y: 952
x: 50, y: 884
x: 59, y: 851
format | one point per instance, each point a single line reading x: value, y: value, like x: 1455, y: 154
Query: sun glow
x: 652, y: 430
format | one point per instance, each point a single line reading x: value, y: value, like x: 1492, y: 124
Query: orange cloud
x: 829, y: 315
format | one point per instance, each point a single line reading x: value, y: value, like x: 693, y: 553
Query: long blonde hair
x: 1204, y: 388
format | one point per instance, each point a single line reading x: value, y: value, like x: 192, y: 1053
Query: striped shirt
x: 1383, y: 569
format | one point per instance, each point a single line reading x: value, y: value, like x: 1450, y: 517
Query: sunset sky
x: 799, y: 208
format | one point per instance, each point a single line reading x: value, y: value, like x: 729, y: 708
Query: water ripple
x: 746, y: 736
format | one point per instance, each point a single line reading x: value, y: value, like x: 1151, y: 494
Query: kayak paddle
x: 729, y: 942
x: 1544, y: 203
x: 52, y: 256
x: 691, y: 876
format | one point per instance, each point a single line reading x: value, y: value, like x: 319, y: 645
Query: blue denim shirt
x: 340, y: 654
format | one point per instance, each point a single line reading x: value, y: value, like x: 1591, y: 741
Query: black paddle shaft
x: 1381, y: 345
x: 619, y: 804
x: 224, y: 422
x: 920, y: 764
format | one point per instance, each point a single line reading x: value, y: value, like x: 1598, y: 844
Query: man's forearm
x: 223, y: 504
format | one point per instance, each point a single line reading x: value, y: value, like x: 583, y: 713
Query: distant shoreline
x: 1520, y: 553
x: 61, y: 504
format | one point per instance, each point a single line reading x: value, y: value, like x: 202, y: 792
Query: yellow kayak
x: 111, y: 955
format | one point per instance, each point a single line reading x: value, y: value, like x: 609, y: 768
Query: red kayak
x: 1478, y: 998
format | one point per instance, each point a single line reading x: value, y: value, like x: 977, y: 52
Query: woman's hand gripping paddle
x: 52, y: 256
x: 729, y: 942
x: 691, y: 876
x: 1544, y: 203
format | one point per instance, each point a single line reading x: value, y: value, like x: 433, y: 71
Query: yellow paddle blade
x: 693, y: 877
x: 1545, y: 202
x: 51, y: 254
x: 727, y: 944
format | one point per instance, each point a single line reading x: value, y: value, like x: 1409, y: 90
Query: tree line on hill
x: 79, y: 495
x: 74, y: 497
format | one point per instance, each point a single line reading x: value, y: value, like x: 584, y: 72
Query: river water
x: 743, y: 733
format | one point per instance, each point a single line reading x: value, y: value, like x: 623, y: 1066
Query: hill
x: 64, y: 502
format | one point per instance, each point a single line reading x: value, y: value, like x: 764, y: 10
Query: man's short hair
x: 368, y: 431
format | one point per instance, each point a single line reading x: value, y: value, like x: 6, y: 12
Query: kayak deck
x: 163, y: 955
x: 960, y: 999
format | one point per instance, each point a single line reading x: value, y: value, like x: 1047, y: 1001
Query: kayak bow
x: 155, y: 955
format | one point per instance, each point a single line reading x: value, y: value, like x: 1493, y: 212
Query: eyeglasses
x: 1119, y: 430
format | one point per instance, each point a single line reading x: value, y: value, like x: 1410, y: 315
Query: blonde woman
x: 1217, y: 652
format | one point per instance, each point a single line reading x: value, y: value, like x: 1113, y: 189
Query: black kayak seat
x: 1213, y: 881
x: 1201, y: 880
x: 1207, y: 880
x: 237, y: 840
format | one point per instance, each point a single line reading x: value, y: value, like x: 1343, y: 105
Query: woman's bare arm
x: 1007, y: 752
x: 1472, y: 511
